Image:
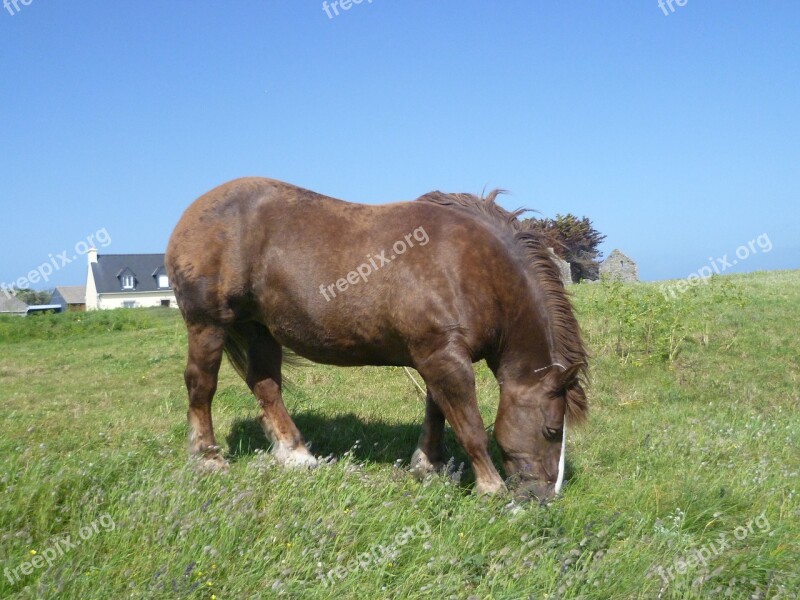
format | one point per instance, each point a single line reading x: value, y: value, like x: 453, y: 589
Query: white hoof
x: 294, y: 458
x: 490, y: 488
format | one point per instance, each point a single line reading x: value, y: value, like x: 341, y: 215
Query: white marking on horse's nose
x: 560, y: 478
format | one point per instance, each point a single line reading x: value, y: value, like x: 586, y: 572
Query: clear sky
x: 677, y: 131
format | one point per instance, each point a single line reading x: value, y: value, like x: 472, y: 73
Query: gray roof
x: 11, y: 304
x: 109, y: 268
x: 72, y: 294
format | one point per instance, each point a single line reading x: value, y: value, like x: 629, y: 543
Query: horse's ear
x: 568, y: 377
x: 569, y: 384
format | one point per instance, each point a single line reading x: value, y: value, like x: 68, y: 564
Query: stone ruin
x: 619, y: 267
x: 564, y: 267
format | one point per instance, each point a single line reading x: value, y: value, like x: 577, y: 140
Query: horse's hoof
x: 211, y: 464
x: 491, y: 488
x: 294, y: 458
x: 421, y: 466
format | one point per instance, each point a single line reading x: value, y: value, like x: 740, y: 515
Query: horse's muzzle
x: 528, y: 489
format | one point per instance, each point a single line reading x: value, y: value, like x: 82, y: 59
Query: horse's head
x: 530, y: 428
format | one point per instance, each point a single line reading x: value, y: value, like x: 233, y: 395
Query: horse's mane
x: 568, y: 345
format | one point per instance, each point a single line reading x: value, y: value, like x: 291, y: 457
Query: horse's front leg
x: 451, y: 382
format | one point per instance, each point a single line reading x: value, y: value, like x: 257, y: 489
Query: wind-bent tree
x: 575, y: 240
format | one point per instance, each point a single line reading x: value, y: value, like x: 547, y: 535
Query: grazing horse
x: 436, y: 284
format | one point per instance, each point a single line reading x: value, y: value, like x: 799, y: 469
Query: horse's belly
x: 342, y: 346
x: 343, y: 354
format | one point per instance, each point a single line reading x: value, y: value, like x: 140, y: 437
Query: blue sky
x: 677, y: 134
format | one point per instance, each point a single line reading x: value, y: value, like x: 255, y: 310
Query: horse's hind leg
x: 264, y: 356
x: 205, y: 354
x: 429, y: 455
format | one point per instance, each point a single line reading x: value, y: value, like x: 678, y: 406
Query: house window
x: 128, y: 282
x: 163, y: 281
x: 129, y: 304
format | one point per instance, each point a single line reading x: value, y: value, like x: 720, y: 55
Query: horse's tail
x: 236, y: 350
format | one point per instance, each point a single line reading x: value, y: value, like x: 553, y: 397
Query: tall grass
x: 692, y: 439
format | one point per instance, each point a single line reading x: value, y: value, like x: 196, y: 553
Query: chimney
x: 92, y: 254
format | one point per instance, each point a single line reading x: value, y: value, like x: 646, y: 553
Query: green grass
x: 693, y: 434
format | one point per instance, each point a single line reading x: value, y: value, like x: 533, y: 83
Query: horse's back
x: 336, y: 281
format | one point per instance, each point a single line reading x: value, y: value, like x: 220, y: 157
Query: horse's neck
x: 528, y: 350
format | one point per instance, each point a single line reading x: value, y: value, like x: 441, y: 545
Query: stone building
x: 619, y: 267
x: 564, y: 267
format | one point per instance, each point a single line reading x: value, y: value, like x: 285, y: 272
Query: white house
x: 127, y: 281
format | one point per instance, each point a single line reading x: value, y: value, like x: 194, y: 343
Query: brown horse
x: 435, y: 284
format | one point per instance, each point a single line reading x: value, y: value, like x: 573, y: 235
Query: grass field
x: 682, y: 484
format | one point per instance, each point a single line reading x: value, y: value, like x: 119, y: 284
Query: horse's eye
x: 553, y: 434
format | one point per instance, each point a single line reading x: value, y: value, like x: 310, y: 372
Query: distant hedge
x: 74, y: 324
